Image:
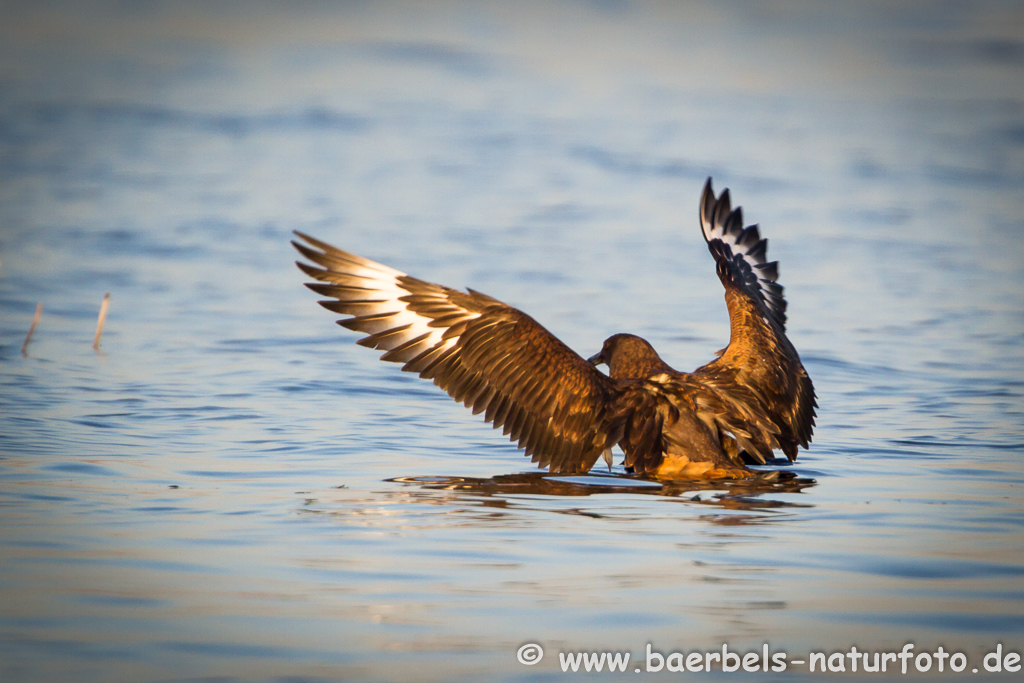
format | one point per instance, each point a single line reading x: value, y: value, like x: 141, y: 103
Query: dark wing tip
x: 707, y: 206
x: 741, y: 252
x: 311, y: 240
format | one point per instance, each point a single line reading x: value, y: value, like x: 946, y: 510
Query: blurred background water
x: 232, y: 490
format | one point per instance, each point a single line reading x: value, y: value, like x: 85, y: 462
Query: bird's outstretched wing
x: 487, y: 355
x: 759, y: 375
x: 741, y: 253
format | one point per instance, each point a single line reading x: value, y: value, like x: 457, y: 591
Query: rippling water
x: 232, y: 490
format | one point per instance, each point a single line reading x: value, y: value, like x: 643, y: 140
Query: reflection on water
x: 220, y: 494
x: 509, y: 490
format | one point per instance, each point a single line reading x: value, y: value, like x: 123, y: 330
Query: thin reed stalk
x: 32, y: 327
x: 102, y: 319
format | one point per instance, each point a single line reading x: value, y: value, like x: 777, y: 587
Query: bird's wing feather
x: 760, y: 385
x: 640, y: 414
x: 741, y: 253
x: 491, y: 357
x: 673, y: 413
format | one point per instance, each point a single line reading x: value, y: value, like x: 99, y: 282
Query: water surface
x: 232, y: 490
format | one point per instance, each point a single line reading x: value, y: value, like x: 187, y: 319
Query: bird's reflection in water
x: 755, y: 493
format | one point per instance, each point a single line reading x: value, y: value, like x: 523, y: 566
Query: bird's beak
x: 596, y: 359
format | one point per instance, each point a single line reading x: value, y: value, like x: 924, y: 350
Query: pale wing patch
x: 412, y: 320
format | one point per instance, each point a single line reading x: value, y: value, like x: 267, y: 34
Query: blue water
x: 230, y: 489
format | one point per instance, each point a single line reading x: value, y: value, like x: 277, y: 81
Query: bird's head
x: 629, y: 357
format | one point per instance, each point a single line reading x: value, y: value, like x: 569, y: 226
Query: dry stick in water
x: 32, y: 327
x: 102, y: 319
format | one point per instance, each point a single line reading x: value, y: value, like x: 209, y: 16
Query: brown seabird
x: 754, y: 398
